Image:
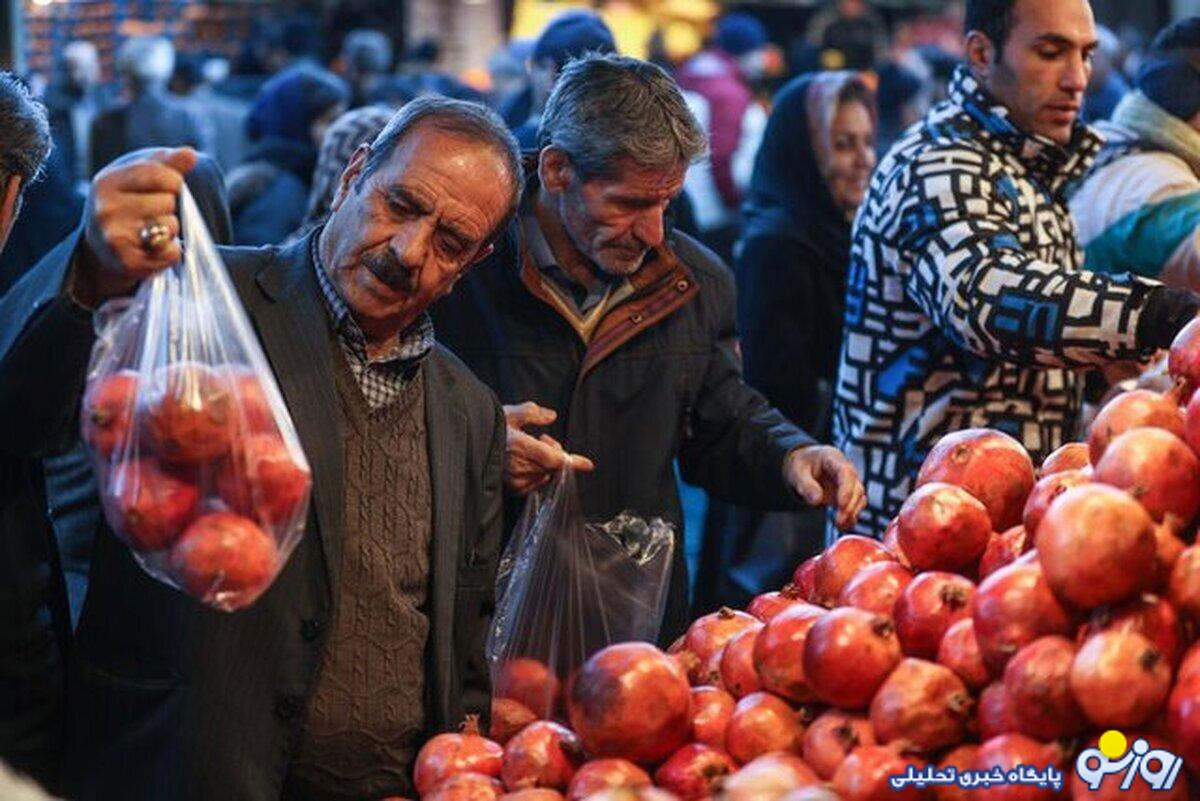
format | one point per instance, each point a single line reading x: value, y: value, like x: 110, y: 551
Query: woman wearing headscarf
x: 268, y: 193
x: 810, y: 176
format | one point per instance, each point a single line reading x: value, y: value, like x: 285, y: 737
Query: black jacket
x: 659, y: 381
x: 169, y: 699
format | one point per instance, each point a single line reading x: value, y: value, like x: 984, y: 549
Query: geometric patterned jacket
x: 967, y: 305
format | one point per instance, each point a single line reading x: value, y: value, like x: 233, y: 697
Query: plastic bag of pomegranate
x: 200, y: 470
x: 566, y: 588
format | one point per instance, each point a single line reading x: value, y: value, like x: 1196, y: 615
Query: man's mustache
x: 388, y: 269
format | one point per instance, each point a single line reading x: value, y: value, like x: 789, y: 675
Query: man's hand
x: 123, y: 199
x: 823, y: 476
x: 533, y: 461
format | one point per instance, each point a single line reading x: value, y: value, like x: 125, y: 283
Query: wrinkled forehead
x: 631, y: 178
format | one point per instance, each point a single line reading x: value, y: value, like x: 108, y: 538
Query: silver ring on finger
x: 154, y: 236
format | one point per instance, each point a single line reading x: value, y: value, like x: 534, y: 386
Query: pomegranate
x: 1072, y: 456
x: 1120, y: 679
x: 1012, y: 608
x: 876, y: 587
x: 1167, y: 548
x: 508, y: 718
x: 891, y: 541
x: 1046, y: 491
x: 762, y: 723
x: 1003, y: 549
x: 943, y: 527
x: 995, y: 712
x: 189, y: 413
x: 254, y: 408
x: 865, y: 774
x: 711, y: 710
x: 261, y: 480
x: 1007, y: 752
x: 1158, y: 469
x: 601, y: 774
x: 631, y: 700
x: 961, y: 759
x: 710, y: 672
x: 447, y: 754
x: 1184, y: 587
x: 1183, y: 360
x: 1139, y: 789
x: 1191, y: 425
x: 930, y: 605
x: 840, y: 562
x: 1038, y: 686
x: 988, y: 464
x: 811, y: 793
x: 708, y: 635
x: 466, y: 787
x: 694, y: 772
x: 108, y: 411
x: 533, y: 794
x: 1189, y: 666
x: 738, y: 673
x: 831, y: 737
x: 225, y: 558
x: 543, y: 754
x: 769, y: 604
x: 1153, y: 617
x: 529, y: 682
x: 776, y: 650
x: 847, y: 655
x: 923, y: 705
x: 768, y: 777
x: 802, y: 577
x: 632, y: 794
x: 959, y: 651
x: 1183, y: 721
x: 149, y: 507
x: 1134, y: 409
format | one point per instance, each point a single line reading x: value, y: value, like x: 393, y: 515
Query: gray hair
x: 472, y: 121
x: 146, y: 60
x: 26, y: 141
x: 607, y: 108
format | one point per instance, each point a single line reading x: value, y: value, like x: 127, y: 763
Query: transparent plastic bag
x: 567, y: 588
x: 200, y: 470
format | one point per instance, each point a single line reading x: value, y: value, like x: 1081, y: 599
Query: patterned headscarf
x: 341, y: 140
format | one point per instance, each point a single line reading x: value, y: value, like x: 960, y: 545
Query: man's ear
x: 555, y: 171
x: 350, y: 175
x: 10, y: 207
x: 981, y: 54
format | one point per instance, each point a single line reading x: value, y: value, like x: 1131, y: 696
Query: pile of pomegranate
x: 1009, y: 616
x: 196, y: 476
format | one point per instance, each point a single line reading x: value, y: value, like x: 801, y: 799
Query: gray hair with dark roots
x: 25, y: 144
x: 607, y: 108
x: 471, y: 121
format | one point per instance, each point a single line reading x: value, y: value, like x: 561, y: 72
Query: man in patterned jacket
x: 967, y: 305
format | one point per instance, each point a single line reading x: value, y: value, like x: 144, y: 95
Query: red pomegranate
x: 1134, y: 409
x: 1072, y: 456
x: 149, y: 507
x: 762, y: 723
x: 262, y: 481
x: 708, y: 635
x: 930, y: 605
x: 1003, y: 549
x: 1191, y: 426
x: 252, y: 403
x: 876, y: 587
x: 1012, y: 608
x: 1183, y: 721
x: 848, y: 653
x: 529, y: 682
x: 533, y: 794
x: 447, y: 754
x: 802, y: 577
x: 923, y: 705
x: 1158, y: 469
x: 865, y: 774
x: 694, y: 772
x: 831, y: 737
x: 943, y: 527
x: 632, y: 794
x: 990, y: 465
x: 543, y: 754
x: 840, y: 562
x: 225, y: 558
x: 738, y: 673
x: 189, y: 413
x: 811, y: 793
x: 711, y: 710
x: 466, y: 787
x: 1184, y: 587
x: 769, y: 604
x: 1046, y: 491
x: 1183, y: 360
x: 777, y: 648
x: 108, y: 411
x: 508, y: 718
x: 768, y: 776
x: 1153, y: 617
x: 1139, y: 789
x: 959, y: 651
x: 1037, y: 682
x: 602, y: 774
x: 1120, y: 679
x: 995, y: 712
x: 1189, y: 666
x: 631, y: 700
x: 710, y: 672
x: 1167, y: 548
x: 961, y: 759
x: 1007, y: 752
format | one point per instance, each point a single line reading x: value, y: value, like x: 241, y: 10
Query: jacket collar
x: 1138, y: 117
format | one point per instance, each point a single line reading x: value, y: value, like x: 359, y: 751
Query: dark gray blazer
x: 169, y: 699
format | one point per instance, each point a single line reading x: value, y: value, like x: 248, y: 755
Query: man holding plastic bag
x: 371, y: 635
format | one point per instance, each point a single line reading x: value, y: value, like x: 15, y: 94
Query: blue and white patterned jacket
x: 967, y: 305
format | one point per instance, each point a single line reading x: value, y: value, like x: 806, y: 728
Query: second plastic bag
x: 567, y: 588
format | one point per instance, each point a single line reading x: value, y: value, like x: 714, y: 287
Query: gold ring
x: 154, y: 236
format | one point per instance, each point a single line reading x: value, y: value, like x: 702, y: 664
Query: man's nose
x: 649, y: 227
